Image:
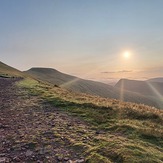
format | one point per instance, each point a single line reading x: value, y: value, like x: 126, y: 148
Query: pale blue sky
x: 84, y: 37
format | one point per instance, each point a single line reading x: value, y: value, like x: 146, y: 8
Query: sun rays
x: 122, y: 91
x: 127, y: 54
x: 67, y: 84
x: 157, y: 93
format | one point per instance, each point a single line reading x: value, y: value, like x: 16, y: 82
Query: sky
x: 86, y: 38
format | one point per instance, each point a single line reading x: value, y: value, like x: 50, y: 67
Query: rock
x: 2, y: 155
x: 41, y: 152
x: 69, y: 125
x: 66, y: 159
x: 70, y: 161
x: 100, y: 132
x: 3, y: 159
x: 38, y: 161
x: 80, y: 161
x: 17, y: 159
x: 28, y: 153
x: 48, y: 134
x: 29, y: 145
x: 3, y: 126
x: 59, y: 158
x: 47, y: 157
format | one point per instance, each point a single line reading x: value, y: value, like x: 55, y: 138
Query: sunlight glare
x: 126, y: 54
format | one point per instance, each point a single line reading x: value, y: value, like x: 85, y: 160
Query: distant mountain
x: 72, y: 83
x: 156, y: 80
x: 136, y: 131
x: 143, y: 87
x: 87, y: 86
x: 148, y: 89
x: 8, y: 71
x: 79, y: 85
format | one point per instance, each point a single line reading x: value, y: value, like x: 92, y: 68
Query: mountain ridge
x: 147, y: 88
x: 70, y: 82
x: 76, y: 84
x: 158, y: 79
x: 142, y: 87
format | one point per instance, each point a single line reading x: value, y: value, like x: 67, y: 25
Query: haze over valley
x: 102, y: 41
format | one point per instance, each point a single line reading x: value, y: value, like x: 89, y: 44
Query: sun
x: 126, y: 54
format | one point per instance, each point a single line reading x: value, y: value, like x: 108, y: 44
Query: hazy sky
x: 86, y: 38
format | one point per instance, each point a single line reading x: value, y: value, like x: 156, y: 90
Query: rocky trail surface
x: 31, y: 131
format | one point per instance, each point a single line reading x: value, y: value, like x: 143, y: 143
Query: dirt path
x: 33, y: 132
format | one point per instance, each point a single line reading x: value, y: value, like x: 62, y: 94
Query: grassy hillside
x: 87, y: 86
x: 123, y: 132
x: 7, y: 71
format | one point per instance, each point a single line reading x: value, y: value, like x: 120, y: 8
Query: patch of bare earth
x: 31, y: 131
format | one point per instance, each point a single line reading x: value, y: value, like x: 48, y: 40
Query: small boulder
x: 4, y: 160
x: 28, y: 153
x: 80, y: 161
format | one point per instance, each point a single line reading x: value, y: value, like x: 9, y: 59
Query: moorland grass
x: 124, y: 132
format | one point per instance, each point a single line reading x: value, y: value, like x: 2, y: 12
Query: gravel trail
x: 31, y: 131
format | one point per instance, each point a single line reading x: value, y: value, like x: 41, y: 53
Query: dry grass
x: 124, y: 132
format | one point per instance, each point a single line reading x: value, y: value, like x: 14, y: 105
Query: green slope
x: 120, y: 131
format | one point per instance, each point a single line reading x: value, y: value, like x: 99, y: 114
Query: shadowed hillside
x: 87, y: 86
x: 76, y: 84
x: 72, y: 83
x: 156, y: 80
x: 143, y: 87
x: 147, y: 88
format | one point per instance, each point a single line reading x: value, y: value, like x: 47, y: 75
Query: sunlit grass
x: 129, y: 132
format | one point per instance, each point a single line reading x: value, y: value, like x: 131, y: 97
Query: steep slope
x: 7, y: 71
x: 87, y: 86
